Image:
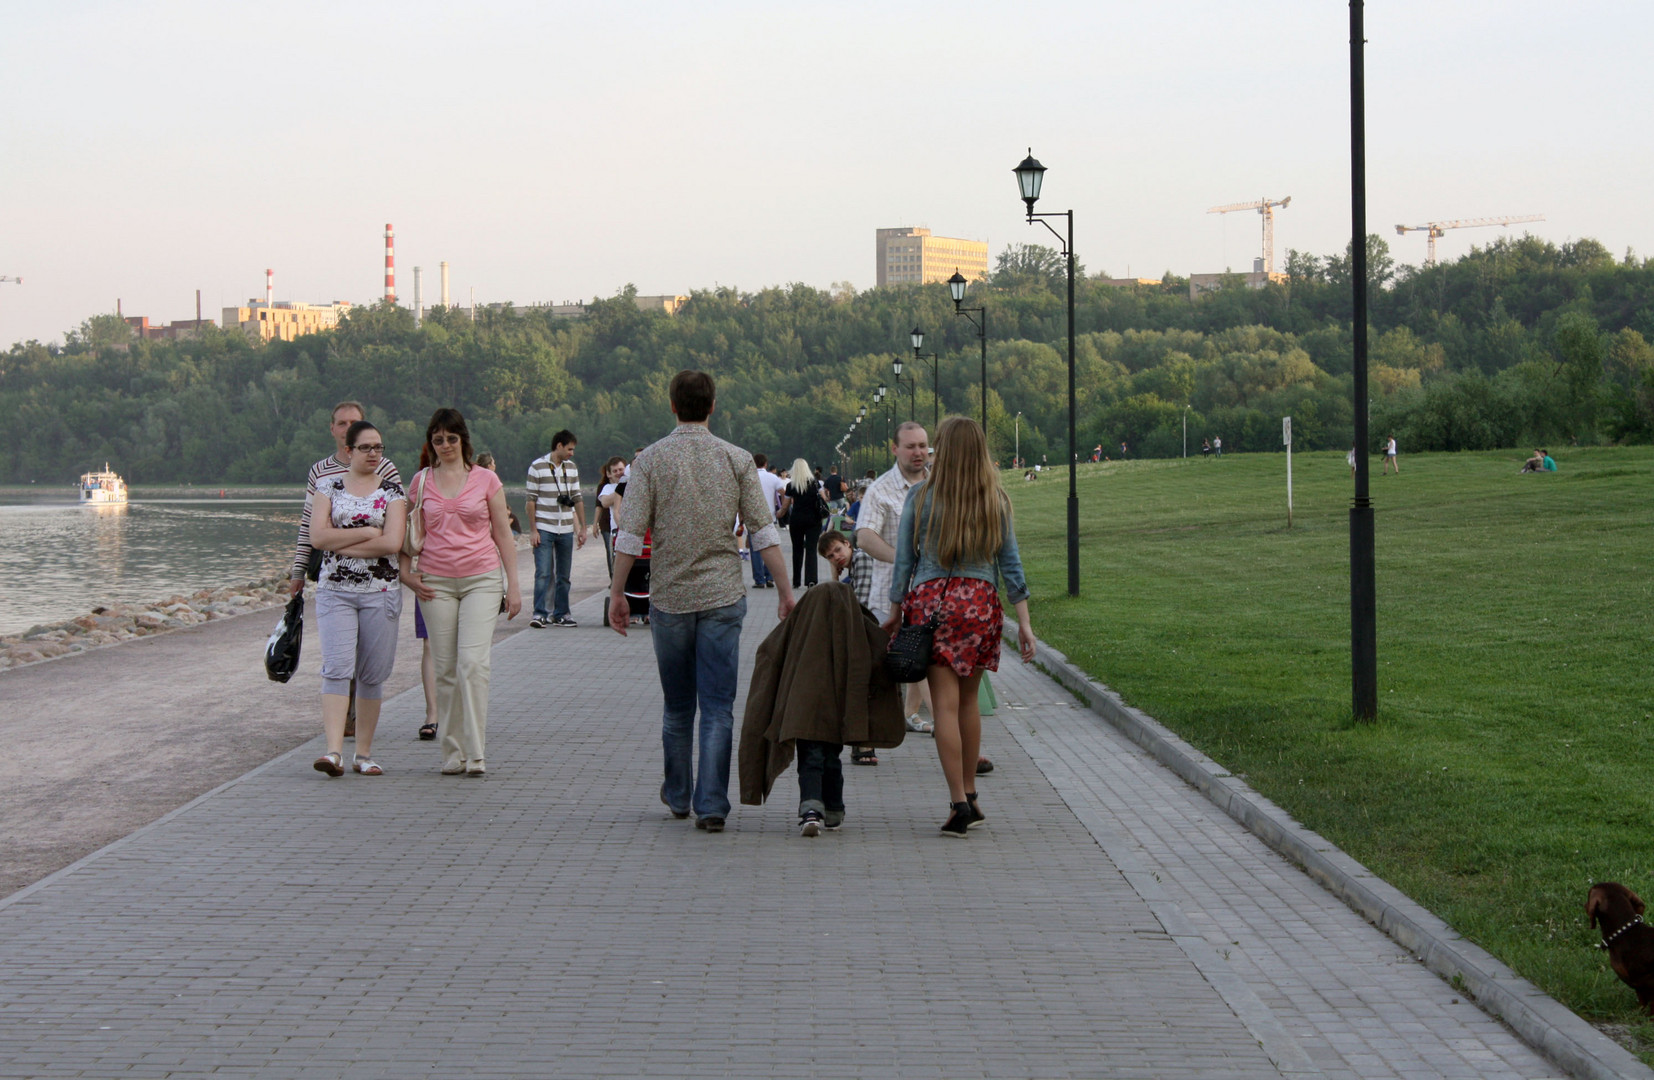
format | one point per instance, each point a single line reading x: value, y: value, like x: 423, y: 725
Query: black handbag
x: 281, y: 652
x: 907, y: 657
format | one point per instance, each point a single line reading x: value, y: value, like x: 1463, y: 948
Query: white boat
x: 102, y: 488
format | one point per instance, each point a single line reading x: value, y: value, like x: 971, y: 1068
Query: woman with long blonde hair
x: 802, y: 503
x: 957, y: 541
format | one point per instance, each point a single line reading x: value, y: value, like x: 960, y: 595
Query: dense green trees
x: 1521, y: 342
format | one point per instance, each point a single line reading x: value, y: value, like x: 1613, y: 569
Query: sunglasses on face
x: 444, y: 440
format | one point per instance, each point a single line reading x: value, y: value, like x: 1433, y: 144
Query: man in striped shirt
x: 345, y: 414
x: 559, y: 517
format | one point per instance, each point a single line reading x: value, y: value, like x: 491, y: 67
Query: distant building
x: 1129, y: 282
x: 1257, y: 279
x: 915, y: 257
x: 669, y: 304
x: 285, y: 319
x: 173, y: 331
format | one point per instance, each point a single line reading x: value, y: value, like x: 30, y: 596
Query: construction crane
x: 1266, y: 209
x: 13, y: 280
x: 1435, y: 229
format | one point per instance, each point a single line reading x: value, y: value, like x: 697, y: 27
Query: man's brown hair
x: 357, y: 405
x: 831, y: 537
x: 692, y: 394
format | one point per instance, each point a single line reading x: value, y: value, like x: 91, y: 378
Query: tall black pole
x: 984, y: 336
x: 1073, y: 446
x: 1363, y: 588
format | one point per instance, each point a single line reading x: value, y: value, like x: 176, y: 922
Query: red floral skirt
x: 972, y: 623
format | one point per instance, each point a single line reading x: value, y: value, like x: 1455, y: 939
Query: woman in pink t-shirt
x: 467, y: 544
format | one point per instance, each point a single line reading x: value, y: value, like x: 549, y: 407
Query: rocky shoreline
x: 113, y: 623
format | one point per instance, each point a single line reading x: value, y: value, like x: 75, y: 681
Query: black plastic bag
x: 281, y: 652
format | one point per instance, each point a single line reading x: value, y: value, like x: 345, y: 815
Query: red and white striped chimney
x: 390, y: 264
x: 269, y: 288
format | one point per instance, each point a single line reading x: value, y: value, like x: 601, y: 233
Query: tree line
x: 1517, y: 343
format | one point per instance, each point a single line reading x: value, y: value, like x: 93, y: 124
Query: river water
x: 59, y: 559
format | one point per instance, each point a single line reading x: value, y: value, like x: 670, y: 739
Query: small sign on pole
x: 1286, y: 438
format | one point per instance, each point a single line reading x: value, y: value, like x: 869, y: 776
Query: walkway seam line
x: 1543, y: 1022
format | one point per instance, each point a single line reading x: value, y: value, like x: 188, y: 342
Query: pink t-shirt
x: 459, y: 541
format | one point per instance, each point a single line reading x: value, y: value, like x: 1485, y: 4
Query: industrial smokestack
x: 445, y: 283
x: 419, y: 306
x: 390, y: 264
x: 269, y: 288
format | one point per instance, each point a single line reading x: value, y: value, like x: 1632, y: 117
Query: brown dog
x: 1629, y: 941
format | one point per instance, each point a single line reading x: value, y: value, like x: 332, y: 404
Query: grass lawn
x: 1512, y: 764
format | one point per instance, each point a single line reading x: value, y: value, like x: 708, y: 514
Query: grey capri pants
x: 358, y: 632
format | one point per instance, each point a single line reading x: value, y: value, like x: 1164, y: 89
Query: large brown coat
x: 819, y: 675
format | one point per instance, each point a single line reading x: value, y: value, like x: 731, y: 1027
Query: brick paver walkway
x: 553, y: 920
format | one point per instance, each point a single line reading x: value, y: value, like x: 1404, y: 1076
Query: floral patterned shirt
x: 349, y: 511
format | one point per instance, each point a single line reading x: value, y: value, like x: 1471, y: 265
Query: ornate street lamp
x: 956, y: 289
x: 1363, y: 587
x: 912, y: 388
x: 1030, y: 176
x: 918, y: 339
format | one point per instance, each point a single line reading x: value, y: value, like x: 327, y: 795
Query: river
x: 59, y: 559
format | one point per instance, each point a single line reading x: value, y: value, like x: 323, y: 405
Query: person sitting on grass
x: 1536, y: 463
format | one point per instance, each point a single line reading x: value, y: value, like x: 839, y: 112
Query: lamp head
x: 918, y: 339
x: 956, y: 288
x: 897, y: 366
x: 1030, y: 175
x: 880, y: 395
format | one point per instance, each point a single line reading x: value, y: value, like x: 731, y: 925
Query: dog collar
x: 1635, y: 921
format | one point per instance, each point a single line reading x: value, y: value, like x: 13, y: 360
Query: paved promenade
x: 553, y: 920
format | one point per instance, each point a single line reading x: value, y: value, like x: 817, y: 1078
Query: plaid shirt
x: 859, y: 575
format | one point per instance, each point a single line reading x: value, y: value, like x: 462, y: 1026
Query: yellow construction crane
x: 1435, y: 229
x: 1266, y: 209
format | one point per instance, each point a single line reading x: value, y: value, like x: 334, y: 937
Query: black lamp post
x: 956, y: 288
x: 918, y: 339
x: 912, y: 388
x: 1363, y: 587
x: 1030, y: 174
x: 879, y: 397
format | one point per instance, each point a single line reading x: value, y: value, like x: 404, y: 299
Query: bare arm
x: 872, y: 543
x: 532, y: 522
x: 325, y: 535
x: 500, y: 525
x: 619, y: 611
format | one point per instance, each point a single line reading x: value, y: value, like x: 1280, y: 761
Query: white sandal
x: 923, y: 727
x: 367, y: 766
x: 333, y: 764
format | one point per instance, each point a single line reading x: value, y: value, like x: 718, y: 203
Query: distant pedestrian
x: 556, y: 510
x: 1206, y: 448
x: 773, y: 486
x: 956, y: 540
x: 608, y: 498
x: 358, y: 525
x: 1350, y: 458
x: 486, y: 461
x: 804, y: 508
x: 686, y: 491
x: 459, y: 583
x: 344, y: 414
x: 833, y: 487
x: 1217, y: 445
x: 1390, y: 461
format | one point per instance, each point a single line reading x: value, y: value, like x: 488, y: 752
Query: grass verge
x: 1513, y: 760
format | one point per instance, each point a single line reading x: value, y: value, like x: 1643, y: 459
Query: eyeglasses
x: 370, y: 448
x: 444, y: 440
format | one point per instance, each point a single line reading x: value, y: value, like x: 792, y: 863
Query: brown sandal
x: 332, y: 764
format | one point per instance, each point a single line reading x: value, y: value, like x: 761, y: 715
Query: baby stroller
x: 636, y: 588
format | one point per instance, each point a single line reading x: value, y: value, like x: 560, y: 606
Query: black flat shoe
x: 427, y: 732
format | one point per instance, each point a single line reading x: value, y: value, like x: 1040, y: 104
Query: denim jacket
x: 1007, y: 567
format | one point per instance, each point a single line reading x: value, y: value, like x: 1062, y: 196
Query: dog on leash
x: 1629, y: 940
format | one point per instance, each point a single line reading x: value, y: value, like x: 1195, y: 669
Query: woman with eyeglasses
x: 459, y: 581
x: 357, y: 519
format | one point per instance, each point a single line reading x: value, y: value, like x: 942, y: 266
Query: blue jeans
x: 562, y: 546
x: 760, y: 573
x: 699, y: 656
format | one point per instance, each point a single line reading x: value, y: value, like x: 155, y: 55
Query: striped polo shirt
x: 546, y: 480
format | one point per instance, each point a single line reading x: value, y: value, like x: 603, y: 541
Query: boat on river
x: 102, y: 488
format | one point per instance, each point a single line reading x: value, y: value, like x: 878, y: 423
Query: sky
x: 556, y: 151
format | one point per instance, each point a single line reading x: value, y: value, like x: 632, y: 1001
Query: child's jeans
x: 820, y: 779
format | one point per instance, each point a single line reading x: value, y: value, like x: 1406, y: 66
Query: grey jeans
x: 358, y: 631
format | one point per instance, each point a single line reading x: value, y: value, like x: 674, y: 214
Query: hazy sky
x: 554, y: 151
